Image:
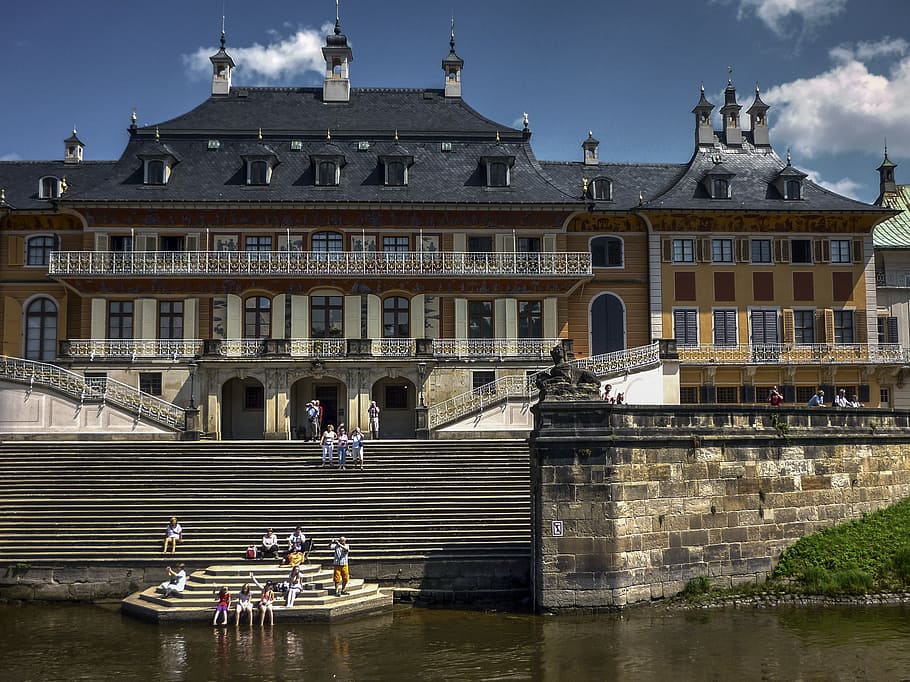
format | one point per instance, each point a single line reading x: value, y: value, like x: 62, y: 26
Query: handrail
x: 803, y: 354
x: 524, y: 348
x: 318, y: 263
x: 525, y: 386
x: 132, y: 348
x: 99, y: 389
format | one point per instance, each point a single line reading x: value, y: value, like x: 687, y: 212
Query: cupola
x: 73, y: 148
x: 590, y: 149
x: 338, y: 56
x: 452, y: 66
x: 758, y: 115
x: 704, y: 129
x: 222, y: 66
x: 733, y: 133
x: 886, y: 181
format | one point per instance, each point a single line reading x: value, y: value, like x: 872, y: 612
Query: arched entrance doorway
x: 608, y: 324
x: 397, y: 401
x: 332, y: 396
x: 242, y: 409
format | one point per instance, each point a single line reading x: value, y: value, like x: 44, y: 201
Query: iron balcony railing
x: 131, y: 348
x: 499, y: 348
x: 524, y: 387
x: 795, y: 354
x: 95, y: 389
x: 887, y: 278
x: 317, y: 264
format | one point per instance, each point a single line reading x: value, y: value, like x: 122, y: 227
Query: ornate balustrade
x: 778, y: 353
x: 317, y: 264
x: 130, y: 348
x: 886, y: 278
x: 521, y: 348
x: 318, y: 348
x: 98, y: 389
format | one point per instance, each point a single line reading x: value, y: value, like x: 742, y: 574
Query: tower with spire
x: 222, y: 66
x: 758, y: 115
x: 886, y: 183
x: 733, y: 132
x: 338, y: 56
x: 704, y: 129
x: 452, y: 66
x: 73, y: 148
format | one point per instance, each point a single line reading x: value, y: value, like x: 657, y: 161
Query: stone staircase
x: 315, y: 603
x: 93, y: 503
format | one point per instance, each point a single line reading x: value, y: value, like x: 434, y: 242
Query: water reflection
x: 90, y: 643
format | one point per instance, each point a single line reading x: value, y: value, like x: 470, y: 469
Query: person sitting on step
x: 176, y: 582
x: 266, y: 599
x: 172, y: 535
x: 269, y: 546
x: 244, y: 603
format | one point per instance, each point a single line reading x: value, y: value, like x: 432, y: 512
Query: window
x: 396, y: 397
x: 607, y: 252
x: 683, y: 250
x: 884, y: 396
x: 257, y: 173
x: 480, y: 319
x: 840, y: 251
x: 480, y: 244
x: 39, y: 250
x: 150, y: 382
x: 688, y: 395
x: 155, y: 173
x: 727, y: 394
x: 530, y: 320
x: 396, y: 174
x: 41, y: 330
x: 330, y: 242
x: 792, y: 190
x: 761, y: 250
x: 804, y: 394
x: 479, y: 380
x: 804, y: 327
x: 327, y: 173
x: 843, y: 326
x: 49, y: 188
x: 170, y: 320
x: 171, y: 244
x: 497, y: 174
x: 257, y: 317
x: 528, y: 245
x: 725, y: 327
x: 120, y: 244
x: 722, y: 250
x: 601, y: 189
x: 888, y: 330
x: 720, y: 189
x: 396, y: 244
x: 395, y: 321
x: 120, y: 320
x: 327, y: 317
x: 685, y: 326
x: 800, y: 250
x: 764, y: 327
x: 253, y: 397
x: 260, y: 246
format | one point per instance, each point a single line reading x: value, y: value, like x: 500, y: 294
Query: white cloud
x: 845, y: 186
x: 10, y: 157
x: 847, y: 108
x: 778, y: 14
x: 279, y: 59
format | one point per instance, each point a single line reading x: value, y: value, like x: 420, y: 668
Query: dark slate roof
x: 894, y: 233
x: 302, y: 111
x: 20, y: 180
x: 630, y: 180
x: 751, y: 189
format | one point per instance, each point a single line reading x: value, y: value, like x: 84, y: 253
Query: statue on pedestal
x: 565, y: 382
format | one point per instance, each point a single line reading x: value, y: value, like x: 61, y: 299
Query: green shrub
x: 816, y: 580
x: 852, y: 581
x: 901, y: 564
x: 697, y: 586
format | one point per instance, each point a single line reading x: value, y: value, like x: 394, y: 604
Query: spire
x: 452, y: 66
x: 73, y: 148
x: 886, y: 182
x: 733, y: 134
x: 704, y: 129
x: 590, y: 149
x: 336, y: 87
x: 758, y: 115
x: 222, y: 65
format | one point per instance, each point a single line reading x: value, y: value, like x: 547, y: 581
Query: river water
x: 70, y: 642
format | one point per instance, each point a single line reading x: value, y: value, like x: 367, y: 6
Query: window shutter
x: 822, y: 250
x: 725, y: 327
x: 707, y: 394
x: 789, y: 326
x: 283, y: 242
x: 858, y: 251
x: 860, y: 327
x: 191, y: 242
x: 666, y: 250
x: 892, y: 335
x: 863, y: 393
x: 549, y: 243
x: 828, y: 327
x: 744, y: 250
x: 747, y: 392
x: 782, y: 250
x: 151, y: 242
x: 16, y: 254
x: 706, y: 251
x: 789, y: 392
x: 101, y: 242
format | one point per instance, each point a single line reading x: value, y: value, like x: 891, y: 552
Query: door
x: 608, y: 324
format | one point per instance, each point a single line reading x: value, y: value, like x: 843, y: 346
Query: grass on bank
x: 869, y: 554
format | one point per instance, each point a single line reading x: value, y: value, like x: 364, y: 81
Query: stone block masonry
x: 648, y: 497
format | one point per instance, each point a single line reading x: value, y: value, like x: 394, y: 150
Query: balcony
x: 207, y: 264
x: 887, y: 278
x: 791, y: 354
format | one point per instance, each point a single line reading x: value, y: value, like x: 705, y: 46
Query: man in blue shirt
x: 818, y: 400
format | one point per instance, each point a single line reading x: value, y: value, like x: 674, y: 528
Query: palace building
x: 278, y: 245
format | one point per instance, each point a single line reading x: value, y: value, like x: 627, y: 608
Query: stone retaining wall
x: 648, y: 498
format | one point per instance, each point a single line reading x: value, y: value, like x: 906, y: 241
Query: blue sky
x: 836, y: 72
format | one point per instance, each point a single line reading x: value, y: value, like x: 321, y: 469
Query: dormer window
x: 793, y: 190
x: 156, y: 172
x: 259, y: 164
x: 157, y: 162
x: 396, y: 164
x: 716, y: 182
x: 789, y: 182
x: 601, y: 189
x: 258, y: 173
x: 49, y: 187
x: 497, y: 174
x: 720, y: 188
x: 327, y: 173
x: 327, y: 163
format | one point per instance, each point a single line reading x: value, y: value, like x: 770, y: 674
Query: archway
x: 608, y: 324
x: 397, y: 401
x: 332, y: 395
x: 242, y: 409
x: 41, y: 330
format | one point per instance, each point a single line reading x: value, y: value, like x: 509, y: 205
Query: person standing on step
x: 172, y: 535
x: 373, y: 414
x: 224, y: 605
x: 341, y: 574
x: 357, y: 447
x: 176, y: 582
x: 312, y: 417
x: 342, y: 447
x: 244, y: 603
x: 328, y: 444
x: 266, y: 599
x: 295, y: 585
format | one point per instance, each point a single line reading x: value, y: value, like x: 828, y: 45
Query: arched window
x: 602, y: 189
x: 259, y: 173
x: 38, y: 251
x: 49, y: 188
x: 154, y: 172
x: 257, y: 317
x: 395, y: 174
x: 41, y: 330
x: 395, y: 319
x: 327, y: 173
x: 498, y: 172
x: 606, y: 252
x: 793, y: 190
x: 329, y: 242
x: 721, y: 189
